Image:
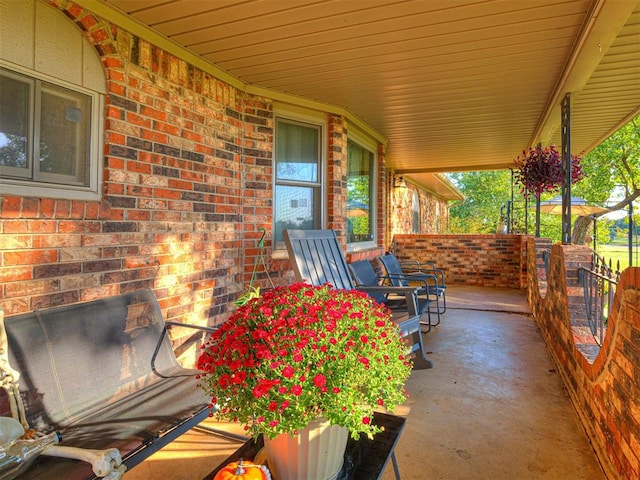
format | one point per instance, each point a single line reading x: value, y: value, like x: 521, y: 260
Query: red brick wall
x: 337, y: 177
x: 606, y: 392
x: 370, y: 254
x: 484, y: 260
x: 187, y: 185
x: 434, y: 211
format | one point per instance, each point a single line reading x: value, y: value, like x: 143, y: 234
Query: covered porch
x: 510, y: 394
x: 494, y: 406
x: 183, y: 180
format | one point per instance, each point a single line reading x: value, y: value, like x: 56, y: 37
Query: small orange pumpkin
x: 243, y: 471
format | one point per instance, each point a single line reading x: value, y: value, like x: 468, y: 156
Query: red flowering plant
x: 299, y: 352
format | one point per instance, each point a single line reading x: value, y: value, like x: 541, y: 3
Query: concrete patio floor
x: 493, y: 407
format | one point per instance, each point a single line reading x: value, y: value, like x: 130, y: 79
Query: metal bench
x: 104, y: 374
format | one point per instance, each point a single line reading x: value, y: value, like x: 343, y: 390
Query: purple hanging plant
x: 540, y: 170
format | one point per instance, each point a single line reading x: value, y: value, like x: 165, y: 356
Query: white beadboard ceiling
x: 450, y: 84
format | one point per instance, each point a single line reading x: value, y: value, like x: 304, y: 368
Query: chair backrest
x: 364, y: 274
x: 316, y: 258
x: 393, y: 268
x: 79, y: 358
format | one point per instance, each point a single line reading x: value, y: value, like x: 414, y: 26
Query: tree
x: 485, y: 193
x: 358, y: 199
x: 13, y: 150
x: 613, y: 165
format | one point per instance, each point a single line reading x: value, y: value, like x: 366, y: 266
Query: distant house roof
x: 436, y: 183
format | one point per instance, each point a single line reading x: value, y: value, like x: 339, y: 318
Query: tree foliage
x: 358, y: 197
x: 613, y: 165
x: 485, y: 192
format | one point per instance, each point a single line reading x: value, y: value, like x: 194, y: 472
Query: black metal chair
x: 316, y: 258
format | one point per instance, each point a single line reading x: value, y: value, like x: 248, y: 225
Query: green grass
x: 618, y: 252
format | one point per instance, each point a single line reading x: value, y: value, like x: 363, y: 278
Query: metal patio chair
x: 364, y: 275
x: 412, y: 272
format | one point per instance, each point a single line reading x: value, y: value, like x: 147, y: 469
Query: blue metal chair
x: 364, y: 275
x: 425, y: 275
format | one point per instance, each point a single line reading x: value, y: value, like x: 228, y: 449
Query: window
x: 416, y: 212
x: 360, y: 195
x: 52, y: 87
x: 298, y: 178
x: 46, y: 132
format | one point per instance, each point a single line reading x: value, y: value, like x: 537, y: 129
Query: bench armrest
x: 164, y: 333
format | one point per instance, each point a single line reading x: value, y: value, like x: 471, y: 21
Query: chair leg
x: 444, y: 301
x: 426, y: 323
x: 421, y: 362
x: 436, y: 311
x: 410, y: 329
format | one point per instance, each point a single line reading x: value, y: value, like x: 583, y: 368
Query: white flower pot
x: 317, y: 453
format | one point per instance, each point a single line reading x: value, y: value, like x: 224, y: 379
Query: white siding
x: 16, y: 32
x: 40, y: 38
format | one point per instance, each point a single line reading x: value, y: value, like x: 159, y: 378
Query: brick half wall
x: 482, y: 260
x: 605, y: 392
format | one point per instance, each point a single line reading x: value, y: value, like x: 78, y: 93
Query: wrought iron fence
x: 599, y: 282
x: 546, y: 255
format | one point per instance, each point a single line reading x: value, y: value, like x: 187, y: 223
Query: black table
x: 364, y: 459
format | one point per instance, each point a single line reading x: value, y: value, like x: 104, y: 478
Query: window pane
x: 416, y: 212
x: 14, y: 123
x: 64, y: 134
x: 296, y: 208
x: 297, y: 152
x: 359, y: 194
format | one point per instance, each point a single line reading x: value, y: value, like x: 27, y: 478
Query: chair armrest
x: 165, y: 330
x: 387, y: 289
x: 427, y: 280
x: 409, y: 293
x: 413, y: 266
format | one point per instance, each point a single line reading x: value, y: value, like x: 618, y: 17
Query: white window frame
x: 42, y: 185
x: 369, y: 144
x: 293, y: 114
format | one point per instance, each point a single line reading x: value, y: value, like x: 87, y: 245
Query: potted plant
x: 300, y: 353
x: 539, y: 170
